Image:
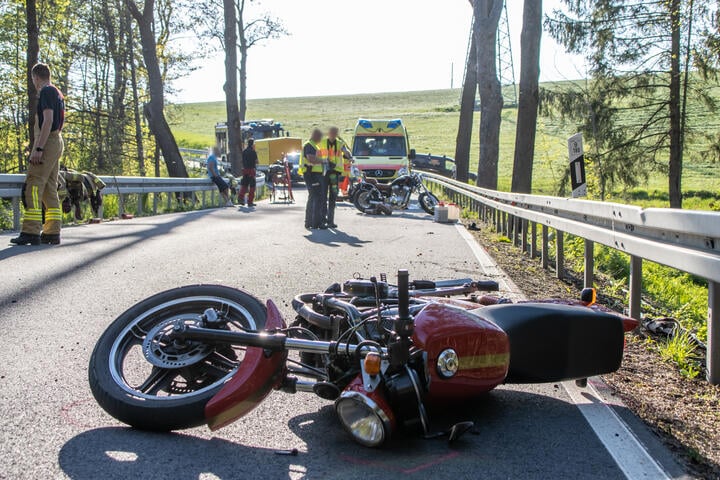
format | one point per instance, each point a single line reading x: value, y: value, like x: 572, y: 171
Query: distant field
x: 432, y: 119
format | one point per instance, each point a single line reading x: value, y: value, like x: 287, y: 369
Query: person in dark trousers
x: 43, y: 165
x: 312, y: 170
x: 247, y: 183
x: 214, y: 173
x: 333, y: 151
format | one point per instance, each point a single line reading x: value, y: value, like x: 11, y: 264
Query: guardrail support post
x: 533, y: 240
x: 497, y: 215
x: 545, y: 248
x: 635, y: 286
x: 169, y: 201
x: 589, y: 263
x: 139, y: 209
x: 155, y: 202
x: 202, y: 199
x: 524, y: 235
x: 559, y: 254
x: 713, y: 333
x: 515, y: 228
x: 121, y: 204
x: 16, y: 213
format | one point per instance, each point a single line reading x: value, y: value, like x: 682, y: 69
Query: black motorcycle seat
x: 550, y: 343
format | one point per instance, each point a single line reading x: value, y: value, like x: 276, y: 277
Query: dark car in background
x: 440, y: 164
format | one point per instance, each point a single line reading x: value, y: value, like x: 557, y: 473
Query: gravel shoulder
x: 684, y: 413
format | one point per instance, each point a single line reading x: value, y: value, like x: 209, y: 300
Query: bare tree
x: 529, y: 96
x: 467, y: 107
x: 154, y: 110
x: 251, y: 33
x: 487, y: 15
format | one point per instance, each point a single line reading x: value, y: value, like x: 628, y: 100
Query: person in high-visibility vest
x: 333, y: 152
x: 311, y: 167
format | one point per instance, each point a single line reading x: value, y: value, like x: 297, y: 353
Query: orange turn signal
x: 372, y: 363
x: 588, y: 296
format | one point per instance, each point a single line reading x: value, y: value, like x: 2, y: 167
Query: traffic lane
x: 79, y: 288
x: 505, y: 445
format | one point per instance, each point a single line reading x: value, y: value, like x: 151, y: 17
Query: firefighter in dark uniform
x: 248, y: 182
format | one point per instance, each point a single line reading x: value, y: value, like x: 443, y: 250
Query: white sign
x: 577, y: 166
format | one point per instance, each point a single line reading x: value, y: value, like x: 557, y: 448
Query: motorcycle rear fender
x: 256, y: 377
x: 552, y: 343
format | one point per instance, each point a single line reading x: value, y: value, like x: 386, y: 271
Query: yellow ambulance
x: 381, y: 149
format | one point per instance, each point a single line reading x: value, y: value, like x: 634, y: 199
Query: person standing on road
x: 43, y: 164
x: 312, y: 169
x: 249, y: 169
x: 333, y: 151
x: 214, y: 174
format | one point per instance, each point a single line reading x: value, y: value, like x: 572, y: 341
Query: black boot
x: 26, y: 239
x: 50, y: 238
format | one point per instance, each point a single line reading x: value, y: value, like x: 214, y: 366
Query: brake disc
x: 163, y: 352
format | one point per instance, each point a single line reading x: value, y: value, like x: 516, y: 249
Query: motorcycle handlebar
x: 403, y: 294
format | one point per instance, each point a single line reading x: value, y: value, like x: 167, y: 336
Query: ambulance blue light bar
x: 366, y: 124
x: 392, y: 125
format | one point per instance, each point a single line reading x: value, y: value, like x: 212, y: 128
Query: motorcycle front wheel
x: 428, y: 202
x: 363, y: 199
x: 149, y: 382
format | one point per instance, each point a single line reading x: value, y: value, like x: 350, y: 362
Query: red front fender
x: 256, y: 377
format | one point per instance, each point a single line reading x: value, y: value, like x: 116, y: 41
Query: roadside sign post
x: 577, y: 166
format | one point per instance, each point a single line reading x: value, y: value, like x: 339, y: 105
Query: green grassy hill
x: 431, y: 118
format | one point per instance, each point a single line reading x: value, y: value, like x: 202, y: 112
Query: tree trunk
x: 139, y: 147
x: 31, y: 58
x: 155, y: 109
x: 243, y: 58
x: 676, y: 147
x: 234, y: 134
x: 487, y: 16
x: 116, y: 46
x: 467, y: 107
x: 529, y: 96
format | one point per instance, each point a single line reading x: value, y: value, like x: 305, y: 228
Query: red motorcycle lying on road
x: 385, y: 354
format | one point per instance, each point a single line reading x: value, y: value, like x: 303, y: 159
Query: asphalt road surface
x: 56, y: 301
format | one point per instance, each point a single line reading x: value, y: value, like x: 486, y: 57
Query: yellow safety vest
x: 303, y: 165
x: 334, y: 154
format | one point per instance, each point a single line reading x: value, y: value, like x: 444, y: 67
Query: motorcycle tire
x: 186, y: 409
x: 362, y: 200
x: 428, y: 202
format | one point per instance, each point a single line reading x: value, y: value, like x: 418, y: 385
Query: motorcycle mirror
x: 458, y: 430
x: 412, y: 155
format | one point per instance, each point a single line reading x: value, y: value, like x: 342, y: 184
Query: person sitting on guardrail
x: 249, y: 166
x: 214, y: 174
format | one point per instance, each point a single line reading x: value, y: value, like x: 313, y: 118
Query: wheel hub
x: 163, y: 352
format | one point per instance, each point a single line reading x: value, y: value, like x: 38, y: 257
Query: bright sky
x: 379, y: 46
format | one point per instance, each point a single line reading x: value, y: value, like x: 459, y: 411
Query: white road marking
x: 621, y: 443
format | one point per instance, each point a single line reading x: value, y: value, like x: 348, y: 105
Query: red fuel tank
x: 478, y: 351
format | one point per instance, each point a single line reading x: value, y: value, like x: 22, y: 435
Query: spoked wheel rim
x: 363, y: 200
x: 429, y: 201
x: 145, y: 365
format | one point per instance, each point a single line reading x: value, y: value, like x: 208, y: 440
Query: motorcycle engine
x: 400, y: 193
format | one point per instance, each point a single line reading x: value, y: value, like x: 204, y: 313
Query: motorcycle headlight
x: 447, y: 363
x: 363, y: 418
x: 402, y: 171
x: 355, y: 172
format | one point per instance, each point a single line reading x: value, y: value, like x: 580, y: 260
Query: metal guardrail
x: 687, y: 240
x: 11, y: 187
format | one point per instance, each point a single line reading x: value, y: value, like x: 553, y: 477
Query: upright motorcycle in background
x: 376, y: 198
x: 386, y: 355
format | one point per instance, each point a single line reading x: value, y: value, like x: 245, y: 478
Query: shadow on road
x: 517, y: 435
x: 124, y: 453
x: 85, y: 261
x: 335, y: 238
